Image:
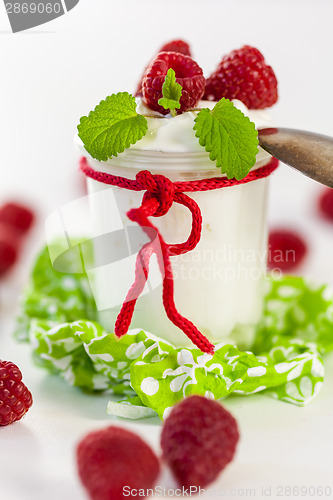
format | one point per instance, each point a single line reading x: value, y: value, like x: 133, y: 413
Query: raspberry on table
x: 15, y: 397
x: 112, y: 458
x: 326, y: 203
x: 243, y: 75
x: 287, y: 250
x: 188, y: 74
x: 10, y: 242
x: 173, y: 46
x: 17, y: 215
x: 198, y: 440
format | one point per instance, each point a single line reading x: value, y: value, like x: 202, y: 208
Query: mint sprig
x: 172, y: 92
x: 229, y: 137
x: 112, y: 127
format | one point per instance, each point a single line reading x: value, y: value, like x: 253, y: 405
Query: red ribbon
x: 160, y: 194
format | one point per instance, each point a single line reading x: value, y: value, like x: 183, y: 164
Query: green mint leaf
x: 112, y: 127
x: 229, y: 137
x: 171, y: 91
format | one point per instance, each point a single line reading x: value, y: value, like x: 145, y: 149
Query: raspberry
x: 15, y: 397
x: 10, y: 240
x: 198, y: 440
x: 175, y: 46
x: 326, y: 203
x: 287, y: 250
x: 188, y: 75
x: 17, y: 215
x: 112, y: 458
x: 244, y: 75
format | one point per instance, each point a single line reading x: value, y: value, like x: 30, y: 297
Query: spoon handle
x: 307, y: 152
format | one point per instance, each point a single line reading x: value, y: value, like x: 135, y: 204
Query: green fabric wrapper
x: 285, y: 361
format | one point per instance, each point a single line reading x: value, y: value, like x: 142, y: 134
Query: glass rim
x: 193, y: 161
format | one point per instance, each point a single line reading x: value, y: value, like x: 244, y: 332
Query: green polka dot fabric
x: 150, y: 374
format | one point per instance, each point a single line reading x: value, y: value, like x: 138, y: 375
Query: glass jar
x: 219, y: 285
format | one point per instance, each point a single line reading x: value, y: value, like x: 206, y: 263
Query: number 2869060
x: 33, y: 8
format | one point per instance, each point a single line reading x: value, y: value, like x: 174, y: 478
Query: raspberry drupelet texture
x: 188, y: 74
x: 198, y: 440
x: 15, y: 397
x: 243, y: 75
x: 113, y: 458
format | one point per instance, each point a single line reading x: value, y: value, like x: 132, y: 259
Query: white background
x: 52, y: 75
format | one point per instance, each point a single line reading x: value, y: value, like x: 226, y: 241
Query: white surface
x: 54, y: 74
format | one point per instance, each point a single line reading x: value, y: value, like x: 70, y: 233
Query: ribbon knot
x: 158, y: 187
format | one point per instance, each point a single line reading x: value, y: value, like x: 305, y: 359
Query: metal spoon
x: 311, y: 154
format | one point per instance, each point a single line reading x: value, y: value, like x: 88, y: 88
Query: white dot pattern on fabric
x: 167, y: 412
x: 295, y: 372
x: 327, y: 293
x: 317, y: 368
x: 256, y: 371
x: 286, y: 291
x: 121, y: 365
x: 100, y: 382
x: 292, y: 390
x: 106, y: 357
x: 258, y: 389
x: 177, y: 383
x: 133, y: 332
x: 274, y: 305
x: 306, y: 387
x: 185, y: 357
x: 299, y: 314
x: 126, y: 410
x: 317, y: 388
x: 284, y: 367
x: 134, y: 350
x: 155, y: 359
x: 149, y: 386
x: 68, y: 283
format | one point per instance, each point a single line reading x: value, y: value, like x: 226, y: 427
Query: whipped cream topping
x: 167, y: 134
x: 176, y: 135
